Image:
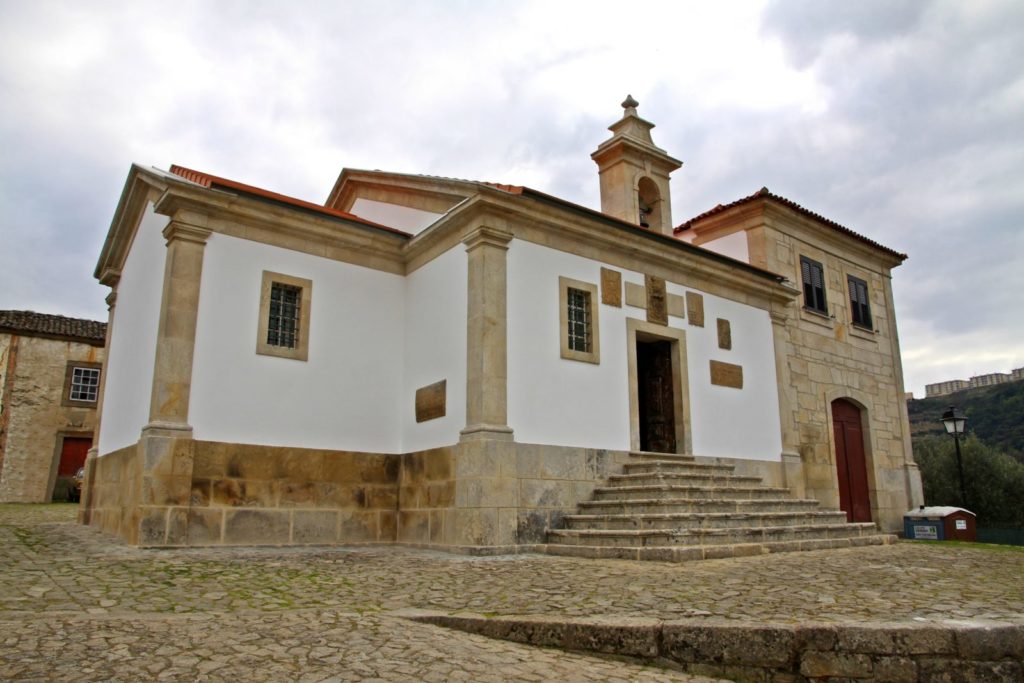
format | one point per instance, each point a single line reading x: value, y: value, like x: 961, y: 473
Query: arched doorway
x: 851, y: 463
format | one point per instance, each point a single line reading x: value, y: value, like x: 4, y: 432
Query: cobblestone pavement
x: 76, y: 604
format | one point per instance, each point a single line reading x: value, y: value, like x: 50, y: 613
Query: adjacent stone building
x: 458, y: 364
x: 50, y: 369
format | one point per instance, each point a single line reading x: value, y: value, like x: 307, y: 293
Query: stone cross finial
x: 630, y: 105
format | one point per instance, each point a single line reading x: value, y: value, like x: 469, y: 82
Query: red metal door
x: 72, y: 455
x: 851, y: 464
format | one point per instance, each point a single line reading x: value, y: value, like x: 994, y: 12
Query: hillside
x: 995, y: 414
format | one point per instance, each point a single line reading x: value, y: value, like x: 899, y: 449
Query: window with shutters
x: 284, y: 316
x: 813, y: 276
x: 860, y: 307
x: 578, y: 320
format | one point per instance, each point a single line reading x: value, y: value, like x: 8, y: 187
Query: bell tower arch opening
x: 634, y: 173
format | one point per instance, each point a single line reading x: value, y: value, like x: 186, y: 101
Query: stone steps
x: 717, y: 491
x: 704, y: 520
x: 665, y: 505
x: 671, y: 507
x: 726, y: 536
x: 680, y: 479
x: 672, y: 466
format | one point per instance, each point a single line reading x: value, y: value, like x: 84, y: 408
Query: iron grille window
x: 814, y: 285
x: 860, y: 308
x: 580, y: 334
x: 285, y: 308
x: 85, y: 384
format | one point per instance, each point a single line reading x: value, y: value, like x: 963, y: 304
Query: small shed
x: 940, y: 523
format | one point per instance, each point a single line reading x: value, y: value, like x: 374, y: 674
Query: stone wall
x: 827, y: 357
x: 477, y: 496
x: 113, y: 495
x: 34, y: 421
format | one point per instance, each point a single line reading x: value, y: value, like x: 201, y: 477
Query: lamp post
x: 955, y: 427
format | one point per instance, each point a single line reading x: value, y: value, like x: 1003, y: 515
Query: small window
x: 284, y: 316
x: 81, y: 384
x: 813, y: 276
x: 578, y: 320
x: 860, y: 307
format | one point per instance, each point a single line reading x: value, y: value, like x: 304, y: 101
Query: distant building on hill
x: 955, y: 385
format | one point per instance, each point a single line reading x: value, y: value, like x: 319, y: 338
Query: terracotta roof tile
x: 764, y: 193
x: 30, y: 322
x: 213, y: 182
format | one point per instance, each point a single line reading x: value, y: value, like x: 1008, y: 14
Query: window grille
x: 285, y: 308
x: 85, y: 384
x: 580, y: 335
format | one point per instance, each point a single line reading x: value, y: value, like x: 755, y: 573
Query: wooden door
x: 851, y: 465
x: 655, y: 396
x: 72, y: 455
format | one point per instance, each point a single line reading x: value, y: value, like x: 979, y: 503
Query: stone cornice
x: 140, y: 187
x: 249, y: 218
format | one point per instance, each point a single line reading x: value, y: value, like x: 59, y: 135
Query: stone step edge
x: 677, y: 463
x: 723, y: 551
x: 671, y: 487
x: 699, y: 476
x: 808, y: 502
x: 858, y: 527
x: 708, y: 645
x: 668, y: 516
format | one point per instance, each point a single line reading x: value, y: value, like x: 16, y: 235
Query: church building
x: 467, y: 365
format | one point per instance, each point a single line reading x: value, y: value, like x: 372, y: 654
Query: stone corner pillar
x: 487, y: 336
x: 792, y: 462
x: 165, y: 445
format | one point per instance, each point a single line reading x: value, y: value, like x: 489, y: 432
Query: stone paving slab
x: 64, y: 586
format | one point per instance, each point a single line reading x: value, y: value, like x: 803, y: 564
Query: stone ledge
x: 961, y: 651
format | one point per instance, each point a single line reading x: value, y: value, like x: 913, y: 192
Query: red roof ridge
x: 209, y: 180
x: 765, y: 193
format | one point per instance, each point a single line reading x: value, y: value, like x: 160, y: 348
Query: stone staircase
x: 672, y: 508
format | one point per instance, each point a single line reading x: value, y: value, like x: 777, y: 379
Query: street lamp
x: 955, y: 427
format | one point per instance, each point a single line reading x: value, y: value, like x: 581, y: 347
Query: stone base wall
x: 112, y: 493
x: 472, y: 496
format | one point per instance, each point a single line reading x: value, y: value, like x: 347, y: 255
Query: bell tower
x: 635, y: 173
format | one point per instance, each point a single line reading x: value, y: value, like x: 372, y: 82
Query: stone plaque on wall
x: 695, y: 308
x: 635, y: 295
x: 611, y: 287
x: 430, y: 401
x: 724, y: 334
x: 726, y: 374
x: 676, y: 306
x: 657, y: 300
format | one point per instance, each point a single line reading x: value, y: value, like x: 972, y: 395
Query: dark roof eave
x: 655, y: 236
x: 766, y: 195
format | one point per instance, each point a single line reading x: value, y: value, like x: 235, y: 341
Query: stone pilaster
x: 792, y: 464
x: 111, y: 279
x: 164, y: 450
x: 487, y: 336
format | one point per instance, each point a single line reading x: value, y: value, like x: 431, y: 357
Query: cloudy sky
x: 901, y: 120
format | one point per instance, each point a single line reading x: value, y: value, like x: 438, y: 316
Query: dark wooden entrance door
x: 655, y: 396
x: 850, y: 461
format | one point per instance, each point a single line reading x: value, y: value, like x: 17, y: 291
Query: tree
x: 994, y: 480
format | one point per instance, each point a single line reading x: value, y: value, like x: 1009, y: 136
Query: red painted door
x: 850, y: 462
x: 72, y: 455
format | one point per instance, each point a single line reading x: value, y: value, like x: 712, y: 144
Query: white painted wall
x: 394, y: 216
x: 344, y: 397
x: 733, y: 245
x: 132, y: 350
x: 727, y: 422
x: 552, y: 400
x: 435, y: 348
x: 571, y: 403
